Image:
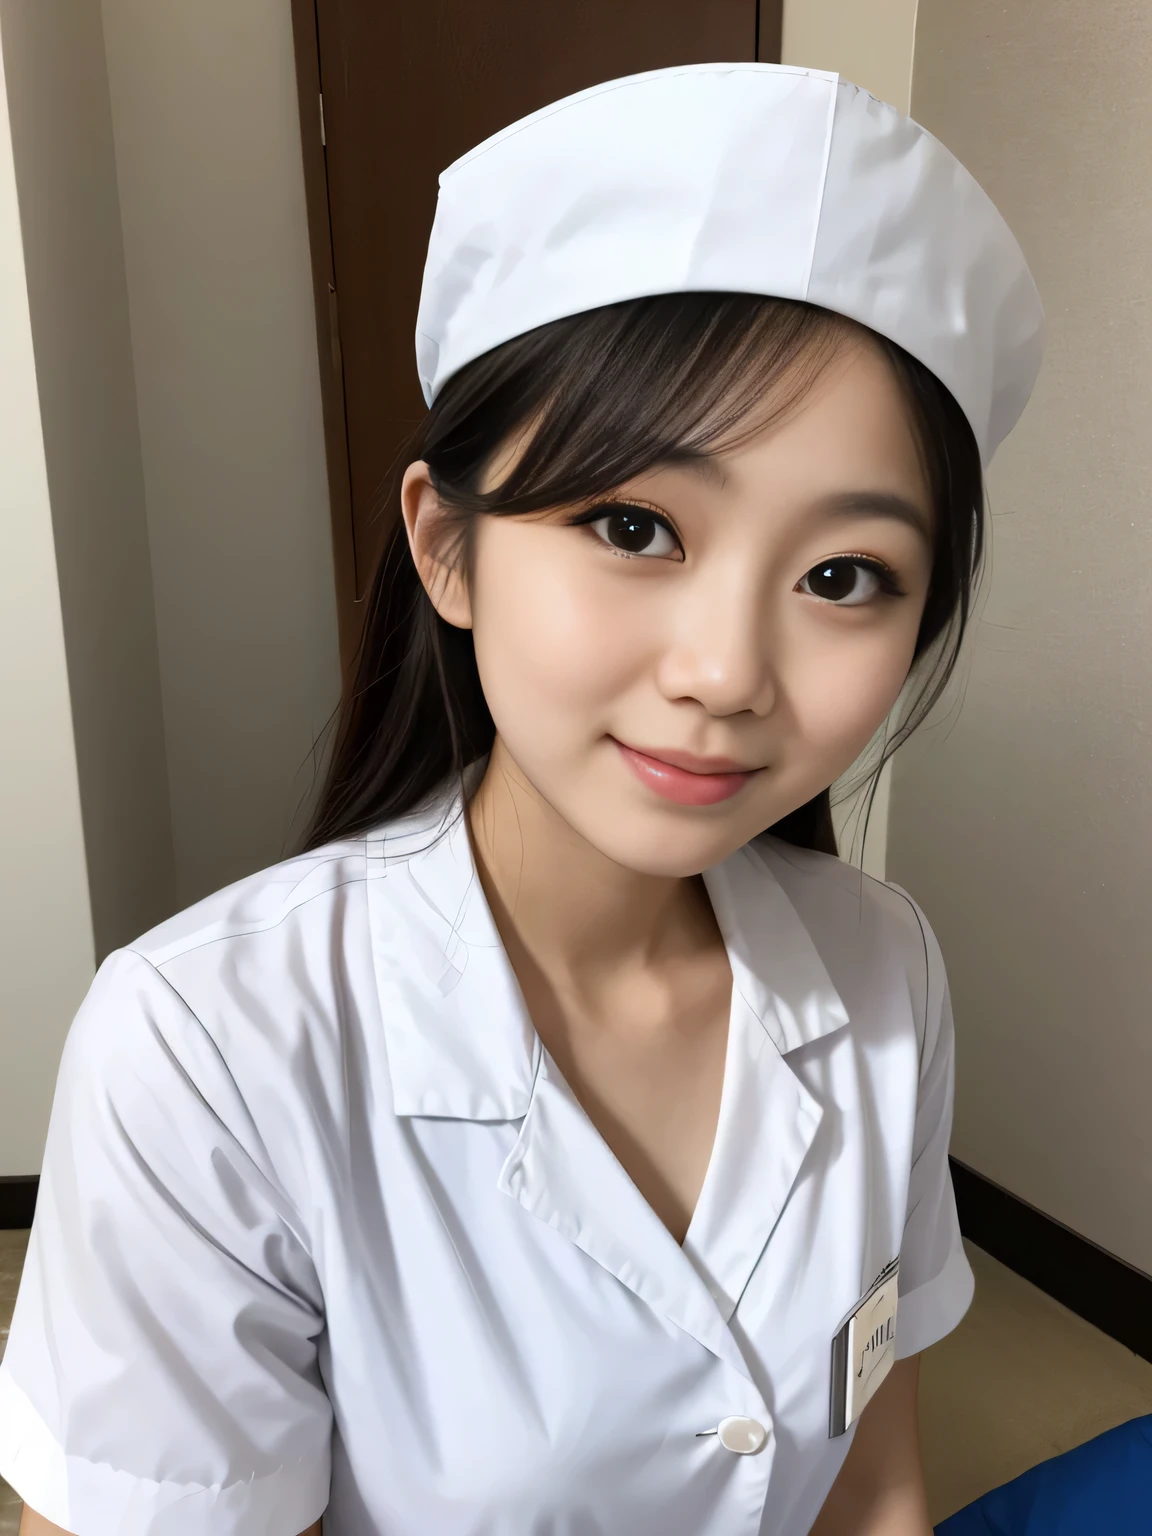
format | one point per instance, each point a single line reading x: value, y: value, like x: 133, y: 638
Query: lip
x: 690, y: 762
x: 684, y: 778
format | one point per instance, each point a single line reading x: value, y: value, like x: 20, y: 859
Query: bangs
x: 597, y: 399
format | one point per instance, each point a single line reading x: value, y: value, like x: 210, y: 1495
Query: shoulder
x: 276, y: 935
x: 227, y: 994
x: 294, y: 893
x: 832, y: 892
x: 867, y: 930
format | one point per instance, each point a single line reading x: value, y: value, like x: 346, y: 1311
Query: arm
x: 164, y: 1242
x: 32, y: 1524
x: 880, y: 1489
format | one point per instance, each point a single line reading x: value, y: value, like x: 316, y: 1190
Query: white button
x: 744, y: 1436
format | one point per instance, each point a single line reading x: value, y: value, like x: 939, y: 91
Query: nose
x: 719, y: 654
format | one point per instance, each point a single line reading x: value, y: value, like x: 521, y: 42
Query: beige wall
x: 867, y: 41
x: 46, y: 944
x: 70, y: 217
x: 170, y: 467
x: 1025, y: 824
x: 212, y: 200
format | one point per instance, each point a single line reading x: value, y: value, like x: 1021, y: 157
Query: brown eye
x: 844, y: 581
x: 635, y: 531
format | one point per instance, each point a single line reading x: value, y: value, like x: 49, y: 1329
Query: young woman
x: 559, y: 1145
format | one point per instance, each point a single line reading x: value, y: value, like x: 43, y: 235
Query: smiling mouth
x: 685, y: 779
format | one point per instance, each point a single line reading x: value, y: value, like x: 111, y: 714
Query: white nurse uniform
x: 323, y: 1228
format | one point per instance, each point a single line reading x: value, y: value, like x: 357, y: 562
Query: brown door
x: 392, y: 91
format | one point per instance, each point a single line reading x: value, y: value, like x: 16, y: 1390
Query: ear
x: 425, y: 521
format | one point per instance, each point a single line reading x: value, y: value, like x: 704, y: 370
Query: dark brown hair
x: 600, y: 398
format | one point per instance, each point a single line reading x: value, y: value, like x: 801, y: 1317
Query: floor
x: 1020, y: 1380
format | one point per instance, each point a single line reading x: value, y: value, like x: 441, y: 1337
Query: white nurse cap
x: 740, y: 178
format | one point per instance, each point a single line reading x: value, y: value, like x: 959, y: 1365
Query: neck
x: 571, y: 908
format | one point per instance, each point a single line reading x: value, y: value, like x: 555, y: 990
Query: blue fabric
x: 1103, y: 1488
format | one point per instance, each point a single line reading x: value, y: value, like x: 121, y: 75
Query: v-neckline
x: 563, y: 1172
x: 765, y: 1124
x: 460, y: 1044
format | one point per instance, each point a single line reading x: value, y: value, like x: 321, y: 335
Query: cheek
x: 844, y: 685
x: 552, y: 644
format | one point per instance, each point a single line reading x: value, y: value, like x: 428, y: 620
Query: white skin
x: 709, y: 642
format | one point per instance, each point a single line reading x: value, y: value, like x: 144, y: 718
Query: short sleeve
x: 936, y: 1283
x: 161, y: 1375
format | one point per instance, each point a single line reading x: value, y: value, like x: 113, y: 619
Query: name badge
x: 864, y: 1351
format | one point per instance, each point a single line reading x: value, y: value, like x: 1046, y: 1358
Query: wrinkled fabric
x: 323, y: 1228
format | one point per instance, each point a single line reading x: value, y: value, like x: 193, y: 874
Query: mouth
x: 685, y: 779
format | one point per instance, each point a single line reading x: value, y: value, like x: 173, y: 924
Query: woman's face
x: 701, y: 652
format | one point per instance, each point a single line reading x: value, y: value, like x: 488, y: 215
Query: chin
x: 673, y: 846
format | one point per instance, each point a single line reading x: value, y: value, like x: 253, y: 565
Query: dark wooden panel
x: 770, y: 31
x: 407, y: 88
x: 17, y: 1201
x: 1089, y: 1281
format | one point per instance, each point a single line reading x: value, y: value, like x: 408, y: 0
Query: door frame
x: 306, y: 35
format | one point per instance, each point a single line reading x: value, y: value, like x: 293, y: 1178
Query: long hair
x: 600, y: 398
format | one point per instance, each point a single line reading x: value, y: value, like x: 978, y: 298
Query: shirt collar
x: 459, y: 1040
x: 776, y: 966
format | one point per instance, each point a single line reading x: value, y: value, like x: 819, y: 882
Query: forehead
x: 847, y: 428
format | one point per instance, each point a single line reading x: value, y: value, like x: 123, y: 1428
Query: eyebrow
x: 698, y: 460
x: 886, y: 504
x: 838, y: 507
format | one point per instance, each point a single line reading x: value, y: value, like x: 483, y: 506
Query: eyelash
x: 883, y: 573
x: 606, y: 508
